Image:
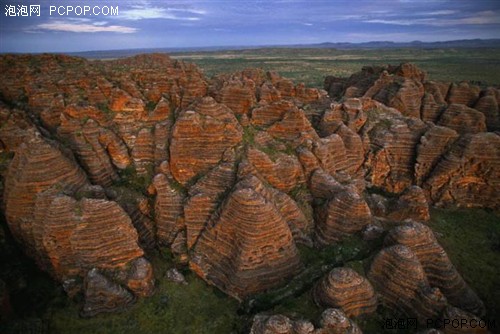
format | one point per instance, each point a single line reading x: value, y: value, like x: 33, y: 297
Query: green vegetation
x: 131, y: 180
x: 150, y: 106
x: 471, y: 237
x: 5, y: 159
x: 174, y: 308
x: 310, y: 66
x: 249, y: 133
x: 104, y: 107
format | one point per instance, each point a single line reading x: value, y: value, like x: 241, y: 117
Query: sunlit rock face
x: 200, y: 137
x: 110, y: 160
x: 345, y: 289
x: 437, y: 266
x: 248, y: 245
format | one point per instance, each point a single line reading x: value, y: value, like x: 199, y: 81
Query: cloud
x: 440, y: 12
x: 69, y: 26
x: 480, y: 18
x: 407, y: 22
x: 145, y: 11
x: 307, y: 24
x: 188, y: 10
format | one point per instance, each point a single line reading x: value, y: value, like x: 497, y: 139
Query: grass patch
x: 249, y: 133
x: 471, y: 237
x: 193, y: 308
x: 312, y: 65
x: 131, y: 180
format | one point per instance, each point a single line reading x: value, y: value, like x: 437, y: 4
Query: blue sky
x: 158, y: 24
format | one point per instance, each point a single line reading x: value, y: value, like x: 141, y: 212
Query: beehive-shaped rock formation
x: 411, y: 204
x: 463, y: 119
x: 268, y: 114
x: 247, y: 247
x: 284, y: 173
x: 335, y: 321
x: 392, y: 144
x: 37, y: 166
x: 345, y: 214
x: 345, y: 289
x: 488, y: 105
x: 468, y: 174
x: 168, y: 210
x: 433, y: 145
x: 398, y: 276
x: 205, y: 196
x: 104, y: 296
x: 199, y: 138
x: 438, y: 268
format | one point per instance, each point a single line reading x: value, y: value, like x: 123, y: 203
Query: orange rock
x: 463, y: 119
x: 205, y: 196
x: 345, y: 289
x: 168, y: 210
x: 467, y: 175
x: 37, y: 166
x: 488, y: 105
x: 200, y: 137
x: 344, y: 214
x: 438, y: 268
x: 247, y: 247
x: 433, y: 144
x: 398, y: 276
x: 284, y: 173
x: 239, y: 96
x: 393, y: 140
x: 463, y: 93
x: 271, y: 113
x: 293, y: 127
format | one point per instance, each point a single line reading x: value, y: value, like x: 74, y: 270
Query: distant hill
x: 465, y: 43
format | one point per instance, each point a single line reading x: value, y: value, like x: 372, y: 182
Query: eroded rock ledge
x: 112, y: 159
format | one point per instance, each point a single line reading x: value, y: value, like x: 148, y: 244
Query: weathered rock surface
x: 268, y: 114
x: 471, y: 323
x: 272, y: 325
x: 232, y: 256
x: 200, y: 137
x: 344, y: 214
x: 175, y: 276
x: 74, y: 236
x: 103, y: 295
x: 345, y: 289
x: 37, y: 166
x: 468, y: 174
x: 463, y: 119
x: 411, y: 204
x: 225, y: 174
x: 205, y: 196
x: 333, y: 321
x: 433, y: 145
x: 398, y: 276
x: 168, y: 210
x: 284, y: 173
x: 437, y: 266
x: 391, y: 159
x: 463, y: 93
x: 488, y: 105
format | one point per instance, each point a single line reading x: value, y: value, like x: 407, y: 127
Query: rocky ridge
x: 112, y: 159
